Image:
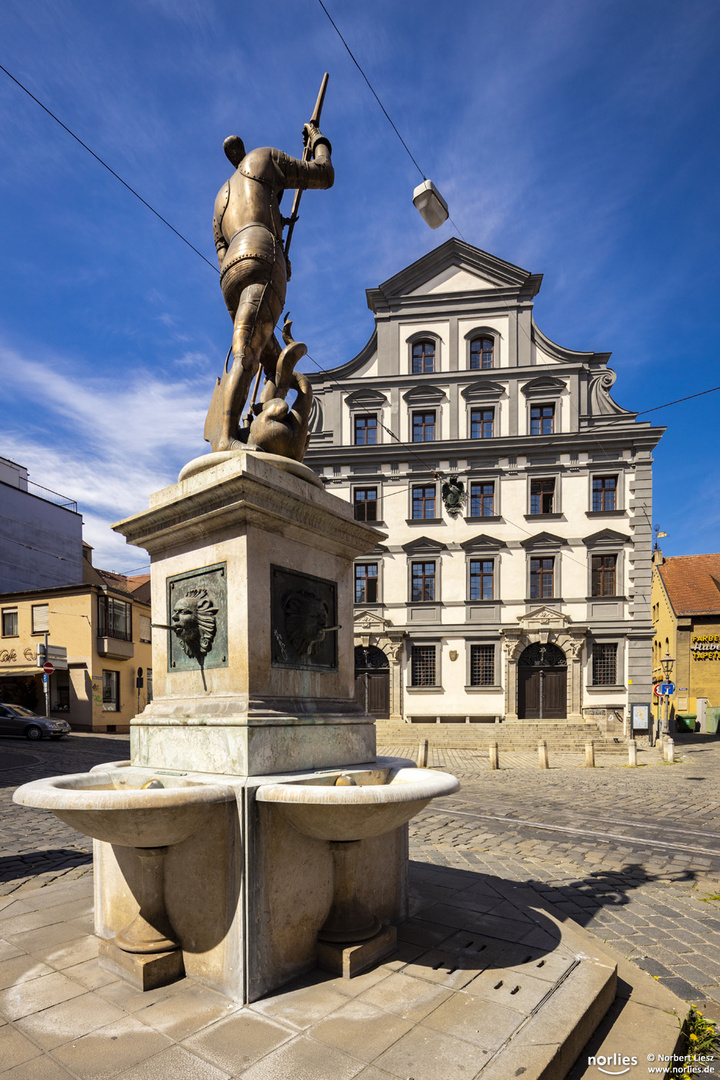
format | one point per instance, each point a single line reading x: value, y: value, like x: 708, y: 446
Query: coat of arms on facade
x: 453, y: 496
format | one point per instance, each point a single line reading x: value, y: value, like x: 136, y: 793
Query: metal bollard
x: 632, y: 753
x: 494, y: 756
x: 670, y: 751
x: 422, y: 758
x: 590, y: 754
x: 543, y: 755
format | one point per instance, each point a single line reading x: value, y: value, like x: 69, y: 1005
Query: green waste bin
x: 685, y: 721
x: 712, y: 719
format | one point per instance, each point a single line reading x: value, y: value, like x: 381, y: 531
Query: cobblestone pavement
x: 35, y: 846
x: 631, y: 854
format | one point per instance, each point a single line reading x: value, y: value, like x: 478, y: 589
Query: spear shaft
x: 315, y: 121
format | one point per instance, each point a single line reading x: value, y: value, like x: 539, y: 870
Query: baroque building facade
x: 514, y: 583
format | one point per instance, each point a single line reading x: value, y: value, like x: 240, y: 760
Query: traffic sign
x: 48, y: 668
x: 664, y: 689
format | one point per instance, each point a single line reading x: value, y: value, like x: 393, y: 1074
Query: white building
x: 532, y: 601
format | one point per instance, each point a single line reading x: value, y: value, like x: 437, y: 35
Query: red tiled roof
x: 692, y: 583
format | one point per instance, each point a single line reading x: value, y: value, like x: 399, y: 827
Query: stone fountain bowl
x: 113, y: 806
x: 378, y: 801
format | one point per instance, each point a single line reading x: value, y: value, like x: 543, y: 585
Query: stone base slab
x: 350, y: 960
x: 253, y: 749
x: 144, y: 971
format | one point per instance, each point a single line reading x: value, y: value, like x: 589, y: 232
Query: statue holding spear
x: 254, y: 270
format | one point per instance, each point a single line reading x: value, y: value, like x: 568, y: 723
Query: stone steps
x: 559, y: 736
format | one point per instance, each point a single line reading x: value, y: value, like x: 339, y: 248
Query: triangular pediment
x: 544, y: 540
x: 370, y: 622
x: 424, y: 395
x: 365, y: 398
x: 481, y: 542
x: 606, y: 538
x: 543, y: 616
x: 424, y: 545
x: 546, y: 385
x: 483, y: 390
x: 454, y: 268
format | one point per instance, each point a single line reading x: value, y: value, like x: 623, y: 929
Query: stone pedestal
x: 273, y: 554
x: 255, y: 564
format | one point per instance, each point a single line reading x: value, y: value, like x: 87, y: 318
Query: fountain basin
x: 379, y: 800
x: 113, y: 806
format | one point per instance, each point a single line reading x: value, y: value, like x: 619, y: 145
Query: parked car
x: 17, y: 720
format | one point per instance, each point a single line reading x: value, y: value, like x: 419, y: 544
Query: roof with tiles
x: 692, y: 583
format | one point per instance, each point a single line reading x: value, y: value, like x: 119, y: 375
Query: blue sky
x: 575, y: 139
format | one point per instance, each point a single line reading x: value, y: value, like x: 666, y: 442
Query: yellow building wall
x: 696, y: 672
x: 73, y: 623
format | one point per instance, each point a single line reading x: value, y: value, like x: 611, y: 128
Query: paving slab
x: 511, y: 848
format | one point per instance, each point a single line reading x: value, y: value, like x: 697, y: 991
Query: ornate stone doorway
x: 372, y: 680
x: 542, y: 683
x: 562, y: 680
x: 376, y: 638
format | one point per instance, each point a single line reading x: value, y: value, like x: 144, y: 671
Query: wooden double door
x: 372, y: 681
x: 542, y: 683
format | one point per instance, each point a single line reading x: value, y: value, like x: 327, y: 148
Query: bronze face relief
x: 303, y: 620
x: 193, y: 622
x: 254, y: 270
x: 197, y: 619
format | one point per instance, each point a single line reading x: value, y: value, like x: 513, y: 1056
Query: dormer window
x: 423, y: 357
x: 482, y: 353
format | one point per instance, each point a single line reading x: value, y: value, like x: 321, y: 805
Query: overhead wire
x: 108, y: 167
x: 377, y: 98
x: 409, y: 447
x: 212, y: 266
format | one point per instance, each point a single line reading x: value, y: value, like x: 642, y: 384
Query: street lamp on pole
x: 667, y: 663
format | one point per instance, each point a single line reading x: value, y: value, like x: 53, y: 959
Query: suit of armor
x: 247, y: 226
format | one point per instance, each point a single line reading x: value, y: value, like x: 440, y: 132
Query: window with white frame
x: 423, y: 357
x: 603, y: 575
x: 542, y: 495
x: 10, y: 622
x: 423, y: 425
x: 604, y: 493
x: 424, y: 502
x: 542, y: 577
x: 365, y: 503
x: 365, y: 429
x: 40, y: 618
x: 422, y: 580
x: 366, y: 583
x: 482, y: 353
x: 482, y: 498
x: 482, y: 579
x: 542, y: 419
x: 482, y: 423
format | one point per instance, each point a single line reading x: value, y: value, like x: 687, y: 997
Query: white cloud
x: 106, y: 442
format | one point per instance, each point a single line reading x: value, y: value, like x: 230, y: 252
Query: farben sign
x: 706, y: 647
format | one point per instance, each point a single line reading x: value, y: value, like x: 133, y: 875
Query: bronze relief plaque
x: 197, y: 619
x: 303, y: 620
